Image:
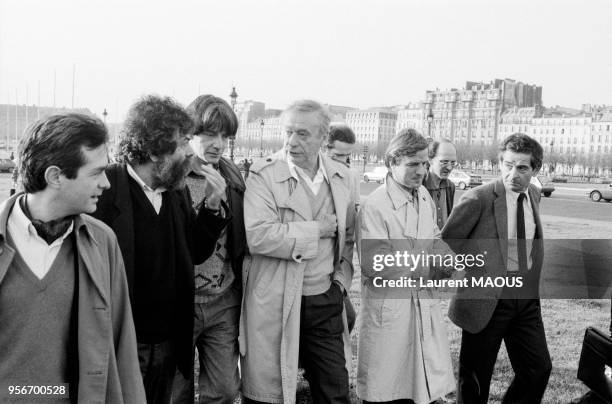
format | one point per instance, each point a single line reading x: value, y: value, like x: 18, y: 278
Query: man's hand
x: 214, y: 187
x: 328, y: 226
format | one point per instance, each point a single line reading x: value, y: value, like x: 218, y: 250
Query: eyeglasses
x: 451, y: 163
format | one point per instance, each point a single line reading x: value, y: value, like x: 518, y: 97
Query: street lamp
x: 104, y: 114
x: 430, y: 118
x: 232, y: 142
x: 261, y: 125
x: 551, y: 168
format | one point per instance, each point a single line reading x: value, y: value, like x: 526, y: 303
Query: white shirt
x: 301, y: 175
x: 530, y: 227
x: 34, y: 250
x: 153, y: 195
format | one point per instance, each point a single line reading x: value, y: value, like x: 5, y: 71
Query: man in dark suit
x: 160, y: 235
x: 502, y: 217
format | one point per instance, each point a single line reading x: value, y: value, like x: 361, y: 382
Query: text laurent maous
x: 483, y: 282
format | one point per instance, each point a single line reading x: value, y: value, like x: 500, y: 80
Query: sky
x: 359, y: 53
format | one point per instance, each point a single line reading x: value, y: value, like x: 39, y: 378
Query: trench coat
x: 282, y: 236
x: 108, y: 358
x: 403, y: 348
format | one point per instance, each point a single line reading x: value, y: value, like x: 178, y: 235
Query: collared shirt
x: 33, y: 249
x: 315, y: 183
x: 530, y: 227
x: 153, y: 195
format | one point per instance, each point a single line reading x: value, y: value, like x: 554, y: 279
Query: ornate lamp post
x: 430, y: 118
x: 552, y: 167
x: 261, y: 125
x: 232, y: 142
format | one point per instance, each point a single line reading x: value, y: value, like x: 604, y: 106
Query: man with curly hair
x: 160, y: 235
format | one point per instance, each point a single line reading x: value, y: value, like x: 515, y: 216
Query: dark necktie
x: 520, y: 233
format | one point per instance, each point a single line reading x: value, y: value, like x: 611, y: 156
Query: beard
x: 170, y: 174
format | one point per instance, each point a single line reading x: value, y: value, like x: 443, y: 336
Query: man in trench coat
x: 299, y: 220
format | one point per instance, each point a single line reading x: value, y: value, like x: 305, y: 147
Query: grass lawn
x: 564, y: 321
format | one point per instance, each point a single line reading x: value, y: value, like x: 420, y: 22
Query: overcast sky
x: 357, y: 53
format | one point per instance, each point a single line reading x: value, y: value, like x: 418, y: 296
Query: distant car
x: 463, y: 180
x: 600, y: 193
x: 545, y: 186
x: 6, y: 165
x: 378, y: 174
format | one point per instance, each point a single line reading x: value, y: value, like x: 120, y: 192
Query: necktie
x: 520, y: 234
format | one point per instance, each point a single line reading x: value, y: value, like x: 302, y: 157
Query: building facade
x: 472, y: 115
x: 373, y: 127
x: 14, y: 119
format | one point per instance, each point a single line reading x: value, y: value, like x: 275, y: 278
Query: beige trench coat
x: 403, y: 346
x: 282, y: 236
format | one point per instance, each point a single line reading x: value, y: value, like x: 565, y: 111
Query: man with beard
x: 160, y: 235
x: 442, y: 160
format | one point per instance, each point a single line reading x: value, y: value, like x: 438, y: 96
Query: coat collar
x: 397, y: 196
x: 84, y: 236
x: 282, y: 172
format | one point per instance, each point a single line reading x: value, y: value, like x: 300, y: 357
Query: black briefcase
x: 595, y: 356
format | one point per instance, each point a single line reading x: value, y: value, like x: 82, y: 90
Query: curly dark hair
x: 521, y: 143
x: 57, y: 140
x: 150, y: 127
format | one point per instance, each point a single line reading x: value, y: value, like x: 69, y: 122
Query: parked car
x: 462, y: 180
x: 601, y: 192
x: 545, y: 186
x: 378, y: 174
x: 6, y: 165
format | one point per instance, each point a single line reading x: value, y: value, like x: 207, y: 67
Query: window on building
x: 562, y: 131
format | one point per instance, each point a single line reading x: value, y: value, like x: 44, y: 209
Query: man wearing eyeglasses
x: 442, y: 160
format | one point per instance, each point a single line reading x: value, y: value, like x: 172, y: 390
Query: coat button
x: 299, y: 257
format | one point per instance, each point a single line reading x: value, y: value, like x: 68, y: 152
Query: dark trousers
x: 518, y: 322
x: 157, y: 366
x: 215, y: 335
x: 322, y: 347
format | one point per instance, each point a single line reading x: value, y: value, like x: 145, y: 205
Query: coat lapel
x: 500, y: 211
x: 340, y: 195
x: 297, y: 200
x: 89, y: 256
x: 6, y: 252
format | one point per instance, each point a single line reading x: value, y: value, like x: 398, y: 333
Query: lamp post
x: 232, y: 141
x: 552, y: 167
x: 261, y: 125
x: 430, y: 118
x: 104, y: 114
